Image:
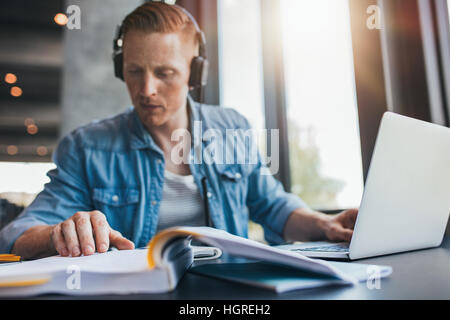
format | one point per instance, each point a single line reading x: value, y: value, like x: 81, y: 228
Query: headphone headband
x: 199, y: 66
x: 118, y: 41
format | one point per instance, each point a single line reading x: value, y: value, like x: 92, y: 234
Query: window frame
x: 274, y: 86
x: 205, y: 13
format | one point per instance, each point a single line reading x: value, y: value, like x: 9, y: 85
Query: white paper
x: 239, y: 246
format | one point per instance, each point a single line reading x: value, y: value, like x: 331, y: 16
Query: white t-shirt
x: 181, y: 203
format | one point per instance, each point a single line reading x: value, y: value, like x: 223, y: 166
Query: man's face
x: 156, y: 71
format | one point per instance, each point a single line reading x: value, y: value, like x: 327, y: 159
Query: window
x: 325, y: 154
x: 241, y: 60
x: 21, y: 181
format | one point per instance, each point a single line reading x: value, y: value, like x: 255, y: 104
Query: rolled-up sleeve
x: 63, y: 196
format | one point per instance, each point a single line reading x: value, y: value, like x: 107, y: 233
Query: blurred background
x: 322, y: 72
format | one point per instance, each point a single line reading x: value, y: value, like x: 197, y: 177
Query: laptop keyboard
x: 326, y: 248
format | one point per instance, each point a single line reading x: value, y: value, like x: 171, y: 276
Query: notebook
x: 282, y: 279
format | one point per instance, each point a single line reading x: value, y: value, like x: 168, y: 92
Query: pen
x: 9, y: 258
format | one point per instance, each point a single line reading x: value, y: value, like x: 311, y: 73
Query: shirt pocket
x: 120, y: 206
x: 116, y: 197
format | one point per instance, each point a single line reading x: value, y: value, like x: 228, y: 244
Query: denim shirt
x: 115, y: 166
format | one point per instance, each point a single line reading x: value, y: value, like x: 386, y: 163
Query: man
x: 117, y: 181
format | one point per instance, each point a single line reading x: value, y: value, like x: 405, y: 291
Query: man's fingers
x: 84, y: 230
x: 350, y: 216
x: 101, y: 231
x: 70, y: 237
x: 338, y: 233
x: 353, y: 213
x: 347, y: 218
x: 117, y: 240
x: 345, y: 234
x: 58, y: 241
x: 85, y: 233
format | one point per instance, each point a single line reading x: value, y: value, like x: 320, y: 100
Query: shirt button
x: 115, y: 198
x: 237, y: 176
x: 154, y: 203
x: 209, y: 194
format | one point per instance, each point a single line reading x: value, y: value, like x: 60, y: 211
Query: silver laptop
x: 406, y: 201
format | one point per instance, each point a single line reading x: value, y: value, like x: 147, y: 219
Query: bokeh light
x: 10, y: 78
x: 32, y: 129
x: 16, y: 92
x: 42, y: 151
x: 61, y: 19
x: 12, y: 150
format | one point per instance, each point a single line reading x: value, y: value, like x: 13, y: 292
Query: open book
x: 155, y: 269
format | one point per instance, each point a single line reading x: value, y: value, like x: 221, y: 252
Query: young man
x: 118, y: 182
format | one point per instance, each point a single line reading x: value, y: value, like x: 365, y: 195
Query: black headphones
x: 199, y: 66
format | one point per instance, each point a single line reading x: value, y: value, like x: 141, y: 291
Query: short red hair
x: 159, y: 17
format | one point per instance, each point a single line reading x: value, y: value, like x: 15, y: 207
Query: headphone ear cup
x: 118, y: 66
x: 199, y: 72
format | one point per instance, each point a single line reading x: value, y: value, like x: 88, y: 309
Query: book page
x: 247, y: 248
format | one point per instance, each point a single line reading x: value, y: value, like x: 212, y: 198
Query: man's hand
x: 86, y: 233
x: 340, y: 227
x: 309, y: 225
